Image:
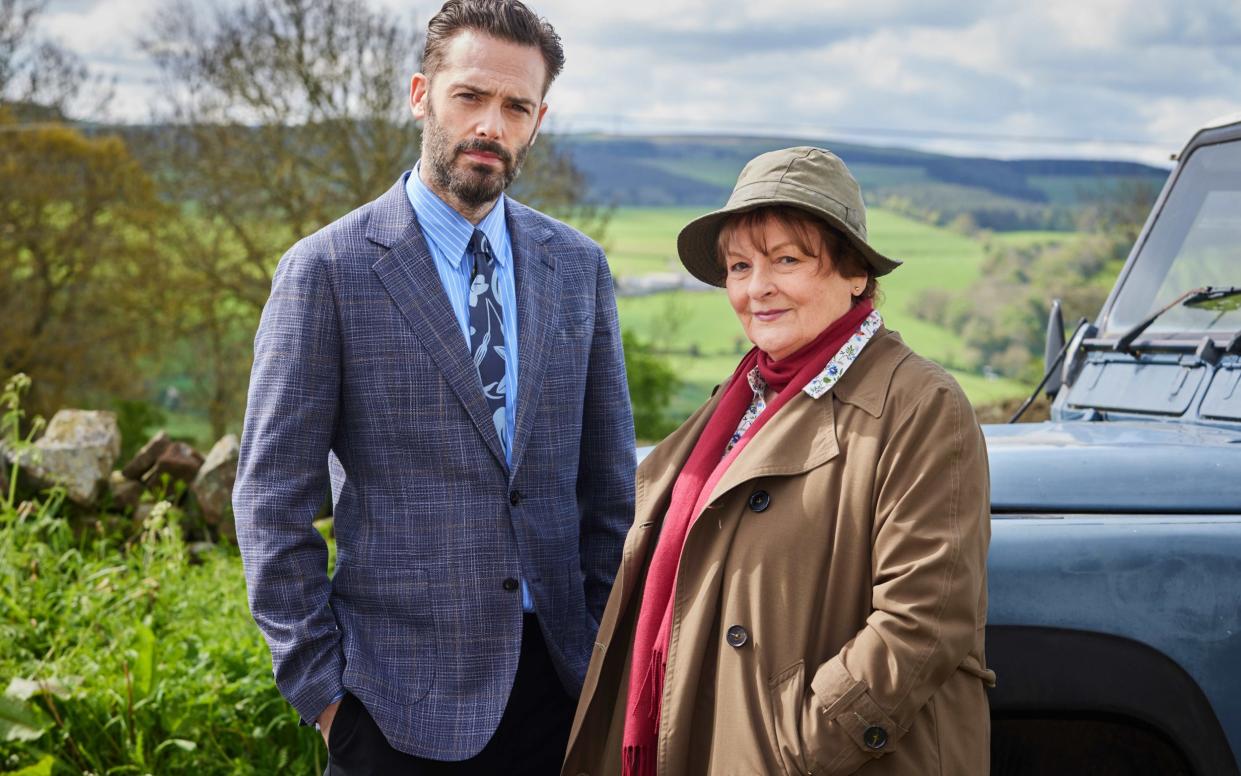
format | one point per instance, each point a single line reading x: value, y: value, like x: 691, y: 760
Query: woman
x: 804, y: 586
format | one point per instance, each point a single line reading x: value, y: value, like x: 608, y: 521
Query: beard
x: 475, y: 184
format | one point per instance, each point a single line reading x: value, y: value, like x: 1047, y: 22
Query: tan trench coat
x: 830, y: 601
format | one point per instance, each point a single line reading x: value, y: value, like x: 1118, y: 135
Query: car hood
x: 1114, y: 466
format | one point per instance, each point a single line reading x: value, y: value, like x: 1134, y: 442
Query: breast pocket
x: 576, y: 326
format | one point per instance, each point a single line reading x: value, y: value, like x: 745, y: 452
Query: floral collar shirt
x: 819, y: 385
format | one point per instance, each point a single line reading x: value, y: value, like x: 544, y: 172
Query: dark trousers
x: 531, y: 738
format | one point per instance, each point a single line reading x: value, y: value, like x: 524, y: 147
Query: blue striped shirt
x: 448, y: 234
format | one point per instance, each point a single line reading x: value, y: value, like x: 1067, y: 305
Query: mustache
x: 485, y: 146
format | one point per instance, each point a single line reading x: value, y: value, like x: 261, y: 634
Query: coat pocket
x: 787, y: 691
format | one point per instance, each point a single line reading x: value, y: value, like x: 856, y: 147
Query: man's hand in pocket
x: 325, y: 720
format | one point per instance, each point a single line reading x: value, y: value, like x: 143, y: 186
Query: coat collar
x: 404, y: 271
x: 866, y: 385
x: 800, y: 437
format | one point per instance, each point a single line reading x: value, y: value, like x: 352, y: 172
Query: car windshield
x: 1195, y: 241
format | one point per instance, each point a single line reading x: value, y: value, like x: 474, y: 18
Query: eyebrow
x: 771, y: 249
x: 490, y: 93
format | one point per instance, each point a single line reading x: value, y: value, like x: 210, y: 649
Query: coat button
x: 759, y: 500
x: 514, y: 498
x: 875, y: 737
x: 737, y: 636
x: 511, y: 584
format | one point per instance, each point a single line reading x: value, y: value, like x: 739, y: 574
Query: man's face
x: 481, y: 112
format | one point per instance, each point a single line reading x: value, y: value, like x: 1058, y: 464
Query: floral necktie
x: 487, y: 332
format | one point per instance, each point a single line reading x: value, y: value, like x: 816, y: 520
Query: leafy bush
x: 652, y: 382
x: 136, y: 656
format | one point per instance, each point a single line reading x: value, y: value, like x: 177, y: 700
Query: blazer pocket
x: 389, y: 634
x: 577, y: 325
x: 787, y: 691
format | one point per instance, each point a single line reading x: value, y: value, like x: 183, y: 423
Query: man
x: 459, y: 355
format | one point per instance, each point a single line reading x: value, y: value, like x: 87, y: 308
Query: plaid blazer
x: 358, y: 356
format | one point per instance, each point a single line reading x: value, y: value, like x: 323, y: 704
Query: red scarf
x: 698, y: 478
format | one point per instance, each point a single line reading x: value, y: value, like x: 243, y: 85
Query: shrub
x: 135, y: 656
x: 652, y: 382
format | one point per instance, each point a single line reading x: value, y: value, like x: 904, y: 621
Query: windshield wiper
x: 1194, y: 296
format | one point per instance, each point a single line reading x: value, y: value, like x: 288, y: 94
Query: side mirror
x: 1055, y: 343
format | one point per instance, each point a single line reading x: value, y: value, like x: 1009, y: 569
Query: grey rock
x: 147, y: 456
x: 213, y: 487
x: 78, y: 451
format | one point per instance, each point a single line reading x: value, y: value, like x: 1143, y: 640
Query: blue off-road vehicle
x: 1115, y: 570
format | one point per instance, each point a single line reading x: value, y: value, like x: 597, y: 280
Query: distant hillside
x: 699, y: 171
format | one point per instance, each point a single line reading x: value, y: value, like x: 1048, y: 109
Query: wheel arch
x: 1056, y: 671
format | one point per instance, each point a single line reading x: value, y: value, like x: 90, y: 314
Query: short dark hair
x: 507, y: 20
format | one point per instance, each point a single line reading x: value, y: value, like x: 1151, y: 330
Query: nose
x: 761, y: 283
x: 490, y: 123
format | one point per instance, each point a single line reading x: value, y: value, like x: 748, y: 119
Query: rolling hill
x: 1002, y: 195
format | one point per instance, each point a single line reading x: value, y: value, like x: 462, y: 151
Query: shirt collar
x: 448, y: 229
x: 836, y: 367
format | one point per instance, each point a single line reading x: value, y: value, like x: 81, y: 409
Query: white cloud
x: 1128, y: 78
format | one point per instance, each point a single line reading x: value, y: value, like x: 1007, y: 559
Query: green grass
x: 644, y: 240
x: 122, y: 654
x: 1033, y: 238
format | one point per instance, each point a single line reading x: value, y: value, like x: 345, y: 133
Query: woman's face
x: 783, y: 296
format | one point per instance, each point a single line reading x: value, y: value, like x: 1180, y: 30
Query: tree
x: 39, y: 79
x: 1003, y: 317
x: 82, y: 274
x: 282, y: 116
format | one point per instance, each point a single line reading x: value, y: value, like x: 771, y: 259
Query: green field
x: 643, y: 240
x: 1031, y: 239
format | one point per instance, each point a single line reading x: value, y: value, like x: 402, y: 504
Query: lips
x: 769, y: 315
x: 482, y: 156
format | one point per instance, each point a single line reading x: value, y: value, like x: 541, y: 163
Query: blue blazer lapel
x: 408, y: 273
x: 538, y: 306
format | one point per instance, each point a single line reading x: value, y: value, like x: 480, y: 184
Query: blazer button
x: 759, y: 500
x: 737, y: 636
x: 875, y: 737
x: 511, y: 584
x: 514, y: 498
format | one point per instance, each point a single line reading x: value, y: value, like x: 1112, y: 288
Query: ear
x: 538, y: 122
x: 419, y: 93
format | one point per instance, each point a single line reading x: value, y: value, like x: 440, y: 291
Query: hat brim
x: 696, y: 244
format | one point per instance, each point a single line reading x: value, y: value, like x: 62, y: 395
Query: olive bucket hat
x: 812, y: 179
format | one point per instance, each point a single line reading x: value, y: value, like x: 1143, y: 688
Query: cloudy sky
x: 1126, y: 79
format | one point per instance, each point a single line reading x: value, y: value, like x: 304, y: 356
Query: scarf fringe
x: 655, y: 673
x: 638, y: 761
